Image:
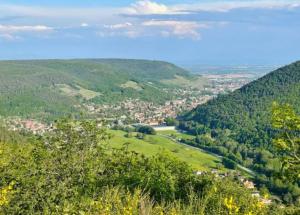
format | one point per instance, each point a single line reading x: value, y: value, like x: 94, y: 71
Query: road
x: 245, y: 169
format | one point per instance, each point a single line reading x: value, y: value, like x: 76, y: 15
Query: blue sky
x: 231, y: 32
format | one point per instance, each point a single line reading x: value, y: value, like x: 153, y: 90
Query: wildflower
x: 5, y: 193
x: 230, y: 205
x: 260, y: 205
x: 173, y: 212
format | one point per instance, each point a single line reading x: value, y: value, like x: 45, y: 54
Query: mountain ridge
x: 55, y: 87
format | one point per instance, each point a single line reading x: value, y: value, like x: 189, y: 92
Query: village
x: 243, y: 181
x: 138, y: 111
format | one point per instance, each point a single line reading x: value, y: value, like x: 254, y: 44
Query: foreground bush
x: 73, y: 171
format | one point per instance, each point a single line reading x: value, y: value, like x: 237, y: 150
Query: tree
x: 171, y: 121
x: 140, y: 136
x: 146, y: 130
x: 128, y: 135
x: 228, y: 163
x: 287, y: 142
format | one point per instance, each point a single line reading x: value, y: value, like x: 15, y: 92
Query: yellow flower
x: 230, y: 205
x: 173, y: 212
x: 260, y: 205
x: 5, y: 194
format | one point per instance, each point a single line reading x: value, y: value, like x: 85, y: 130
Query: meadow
x: 154, y: 144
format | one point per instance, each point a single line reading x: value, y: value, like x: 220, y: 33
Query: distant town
x: 137, y: 111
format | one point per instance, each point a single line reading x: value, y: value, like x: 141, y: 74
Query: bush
x: 171, y: 121
x: 146, y: 130
x: 73, y: 171
x: 228, y: 163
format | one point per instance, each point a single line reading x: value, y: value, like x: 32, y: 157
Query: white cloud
x: 119, y: 25
x: 111, y: 22
x: 126, y: 29
x: 148, y: 7
x: 165, y: 28
x: 225, y: 6
x: 24, y: 28
x: 9, y: 37
x: 132, y: 34
x: 144, y: 7
x: 84, y: 25
x: 16, y: 32
x: 61, y: 15
x: 123, y: 33
x: 181, y: 29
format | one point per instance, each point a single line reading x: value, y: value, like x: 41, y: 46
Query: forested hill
x: 250, y: 107
x: 55, y: 87
x: 238, y: 126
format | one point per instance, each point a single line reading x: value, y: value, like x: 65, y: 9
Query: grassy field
x: 154, y: 144
x: 80, y: 91
x: 195, y: 82
x: 176, y: 134
x: 132, y: 84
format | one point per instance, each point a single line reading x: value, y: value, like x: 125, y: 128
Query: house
x: 249, y: 184
x: 255, y: 194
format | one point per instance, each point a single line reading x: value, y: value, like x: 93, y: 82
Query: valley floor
x: 153, y: 144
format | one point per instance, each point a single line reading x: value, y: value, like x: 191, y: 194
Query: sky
x: 207, y: 32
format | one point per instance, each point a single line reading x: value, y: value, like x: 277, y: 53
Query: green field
x: 132, y: 84
x: 194, y: 82
x: 154, y: 144
x: 78, y: 91
x: 176, y: 134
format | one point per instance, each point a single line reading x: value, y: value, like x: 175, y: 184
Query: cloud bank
x: 140, y: 19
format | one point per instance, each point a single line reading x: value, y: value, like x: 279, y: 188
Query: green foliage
x: 146, y: 130
x: 73, y: 170
x: 228, y: 163
x: 287, y: 141
x: 171, y: 121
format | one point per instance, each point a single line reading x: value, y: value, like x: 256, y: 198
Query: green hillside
x: 48, y: 88
x: 249, y: 108
x: 238, y: 125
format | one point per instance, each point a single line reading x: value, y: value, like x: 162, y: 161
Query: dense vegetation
x: 51, y: 88
x: 73, y: 170
x: 287, y: 141
x: 238, y: 126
